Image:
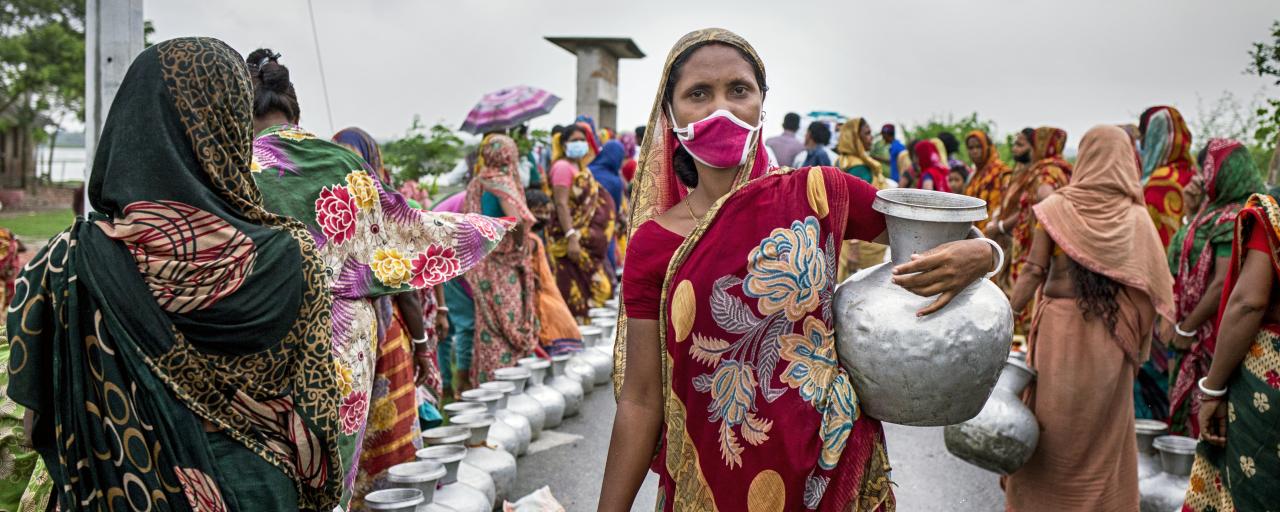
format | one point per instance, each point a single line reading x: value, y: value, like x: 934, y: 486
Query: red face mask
x: 720, y: 140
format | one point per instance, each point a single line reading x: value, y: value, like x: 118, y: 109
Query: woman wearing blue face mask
x: 579, y: 233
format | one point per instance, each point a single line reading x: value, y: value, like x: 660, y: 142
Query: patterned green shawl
x: 181, y: 309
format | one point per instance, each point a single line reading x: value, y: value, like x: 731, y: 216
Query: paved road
x: 571, y: 462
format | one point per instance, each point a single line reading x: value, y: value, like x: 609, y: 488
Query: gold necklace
x: 696, y: 219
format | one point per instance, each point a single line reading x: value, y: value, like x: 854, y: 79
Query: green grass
x: 38, y: 225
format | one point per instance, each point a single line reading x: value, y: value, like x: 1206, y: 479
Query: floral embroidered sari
x: 505, y: 284
x: 1166, y: 167
x: 1242, y: 475
x: 991, y: 179
x: 391, y: 434
x: 758, y: 414
x: 1230, y: 177
x: 372, y: 244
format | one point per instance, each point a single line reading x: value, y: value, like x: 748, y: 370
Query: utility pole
x: 112, y: 38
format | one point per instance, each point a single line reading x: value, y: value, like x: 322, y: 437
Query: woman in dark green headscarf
x: 1199, y: 255
x: 174, y: 347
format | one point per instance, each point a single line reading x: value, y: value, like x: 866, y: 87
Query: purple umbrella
x: 500, y: 110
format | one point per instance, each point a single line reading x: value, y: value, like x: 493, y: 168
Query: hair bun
x: 275, y: 77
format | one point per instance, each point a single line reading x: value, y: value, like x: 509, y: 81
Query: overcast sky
x: 1068, y: 63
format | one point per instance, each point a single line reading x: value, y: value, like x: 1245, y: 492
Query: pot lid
x: 416, y: 472
x: 590, y: 330
x: 464, y: 407
x: 513, y: 373
x: 393, y: 499
x: 500, y: 386
x: 560, y: 358
x: 444, y: 454
x: 472, y: 420
x: 535, y: 364
x: 929, y: 205
x: 446, y: 435
x: 481, y: 395
x: 1175, y: 444
x: 1150, y: 427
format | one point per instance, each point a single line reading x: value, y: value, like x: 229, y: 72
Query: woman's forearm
x: 411, y: 313
x: 1240, y: 323
x: 563, y: 217
x: 1208, y: 305
x: 1029, y: 281
x: 512, y: 210
x: 635, y: 437
x: 1034, y: 271
x: 1243, y: 315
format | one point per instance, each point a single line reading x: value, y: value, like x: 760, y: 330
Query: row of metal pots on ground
x: 470, y: 464
x: 1003, y: 436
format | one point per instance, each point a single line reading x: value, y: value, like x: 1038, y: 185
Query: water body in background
x: 68, y: 163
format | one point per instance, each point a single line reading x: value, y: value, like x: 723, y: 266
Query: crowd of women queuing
x: 297, y: 320
x: 1142, y: 281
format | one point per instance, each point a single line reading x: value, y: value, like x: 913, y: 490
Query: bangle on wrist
x: 443, y: 308
x: 1000, y: 227
x: 1211, y: 393
x: 420, y: 341
x: 1177, y: 328
x: 999, y: 253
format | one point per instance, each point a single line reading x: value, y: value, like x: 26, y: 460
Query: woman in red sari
x: 933, y: 169
x: 727, y: 343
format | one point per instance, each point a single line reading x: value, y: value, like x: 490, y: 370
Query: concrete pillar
x: 597, y: 74
x: 113, y: 37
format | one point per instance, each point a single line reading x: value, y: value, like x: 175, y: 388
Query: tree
x: 1266, y: 64
x: 1231, y: 118
x: 958, y: 127
x: 41, y: 77
x: 423, y: 151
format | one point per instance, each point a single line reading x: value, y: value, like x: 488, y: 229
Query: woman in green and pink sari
x: 372, y: 243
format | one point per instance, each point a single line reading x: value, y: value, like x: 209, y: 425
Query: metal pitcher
x: 921, y: 371
x: 1003, y: 436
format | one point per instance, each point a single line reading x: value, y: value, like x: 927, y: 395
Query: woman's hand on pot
x: 945, y: 271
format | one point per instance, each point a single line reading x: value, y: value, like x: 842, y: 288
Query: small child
x: 957, y: 179
x: 540, y: 205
